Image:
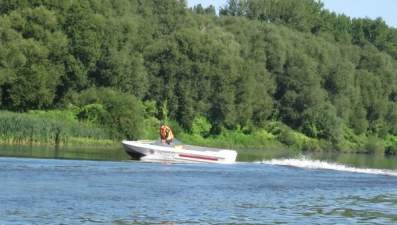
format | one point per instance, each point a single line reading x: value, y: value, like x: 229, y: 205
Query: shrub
x: 374, y: 146
x: 391, y: 150
x: 201, y: 126
x: 287, y: 138
x: 311, y: 145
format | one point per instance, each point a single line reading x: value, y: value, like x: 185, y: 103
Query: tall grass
x: 52, y: 128
x: 23, y: 128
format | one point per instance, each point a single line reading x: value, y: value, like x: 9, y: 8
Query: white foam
x: 307, y: 163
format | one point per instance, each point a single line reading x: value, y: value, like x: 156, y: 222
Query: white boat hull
x: 150, y: 151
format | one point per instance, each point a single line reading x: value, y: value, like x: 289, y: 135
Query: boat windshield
x: 173, y: 143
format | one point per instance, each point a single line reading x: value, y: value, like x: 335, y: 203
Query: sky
x: 352, y: 8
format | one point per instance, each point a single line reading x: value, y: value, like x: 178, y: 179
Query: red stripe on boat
x: 198, y: 157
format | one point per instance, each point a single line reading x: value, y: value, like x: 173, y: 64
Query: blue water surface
x: 54, y: 191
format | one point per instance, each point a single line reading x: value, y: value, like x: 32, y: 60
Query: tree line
x: 124, y: 62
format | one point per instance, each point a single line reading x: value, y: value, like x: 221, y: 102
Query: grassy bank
x: 63, y: 128
x: 277, y: 136
x: 49, y: 128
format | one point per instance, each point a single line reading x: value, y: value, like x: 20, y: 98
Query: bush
x: 311, y: 145
x: 287, y: 138
x: 326, y: 145
x: 374, y: 146
x: 391, y: 150
x: 121, y: 114
x: 201, y: 126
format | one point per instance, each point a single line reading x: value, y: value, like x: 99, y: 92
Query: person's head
x: 162, y: 124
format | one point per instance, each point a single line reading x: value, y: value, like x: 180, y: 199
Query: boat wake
x: 308, y: 163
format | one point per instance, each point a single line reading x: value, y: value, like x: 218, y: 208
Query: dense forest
x: 280, y: 67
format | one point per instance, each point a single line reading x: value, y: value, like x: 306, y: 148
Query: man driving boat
x: 166, y: 134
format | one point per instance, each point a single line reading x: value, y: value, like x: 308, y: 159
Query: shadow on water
x: 64, y: 152
x: 244, y: 155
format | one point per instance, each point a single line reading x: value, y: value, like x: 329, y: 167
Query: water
x: 306, y: 189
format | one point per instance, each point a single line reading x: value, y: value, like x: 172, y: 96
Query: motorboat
x: 176, y: 151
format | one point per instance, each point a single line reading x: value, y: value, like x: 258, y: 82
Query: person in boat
x: 166, y: 134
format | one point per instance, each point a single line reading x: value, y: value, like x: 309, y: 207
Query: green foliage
x: 19, y: 128
x: 275, y: 128
x: 164, y: 111
x: 350, y: 136
x: 391, y: 150
x: 171, y: 15
x: 234, y: 140
x: 151, y: 129
x: 119, y: 113
x: 30, y: 61
x: 90, y: 113
x: 358, y: 120
x: 112, y: 66
x: 391, y: 117
x: 391, y: 145
x: 201, y: 126
x: 374, y: 146
x: 199, y: 9
x: 311, y: 145
x: 41, y: 127
x: 120, y: 64
x: 150, y: 109
x: 67, y: 116
x: 287, y: 138
x: 283, y: 134
x: 301, y: 15
x: 74, y: 125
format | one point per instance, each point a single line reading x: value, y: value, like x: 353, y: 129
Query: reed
x: 93, y: 142
x: 49, y: 128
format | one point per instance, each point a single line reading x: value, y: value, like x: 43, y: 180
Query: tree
x: 358, y: 120
x: 31, y: 83
x: 83, y: 28
x: 298, y: 88
x: 121, y: 113
x: 121, y: 65
x: 303, y: 15
x: 171, y: 15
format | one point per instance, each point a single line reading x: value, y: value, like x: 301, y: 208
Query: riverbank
x: 62, y: 128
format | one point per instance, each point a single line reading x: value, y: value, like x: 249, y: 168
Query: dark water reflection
x: 244, y: 155
x: 64, y: 152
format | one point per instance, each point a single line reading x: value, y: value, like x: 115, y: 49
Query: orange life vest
x: 166, y: 133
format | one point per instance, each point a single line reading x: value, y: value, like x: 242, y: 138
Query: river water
x: 102, y: 186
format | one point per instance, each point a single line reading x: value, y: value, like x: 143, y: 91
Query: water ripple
x: 275, y: 192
